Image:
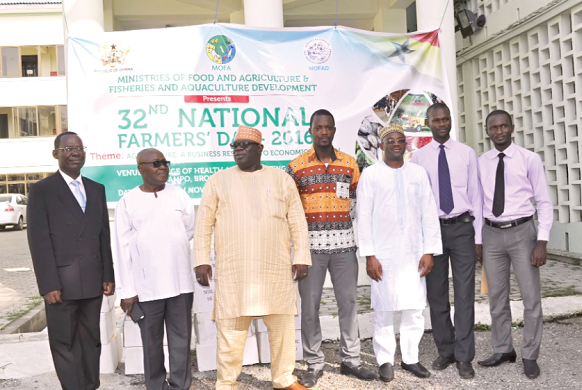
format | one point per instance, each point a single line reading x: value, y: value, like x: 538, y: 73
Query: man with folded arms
x: 511, y: 177
x: 254, y: 212
x: 154, y: 223
x: 398, y: 233
x: 454, y: 178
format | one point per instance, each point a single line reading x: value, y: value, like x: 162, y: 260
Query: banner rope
x: 443, y: 18
x: 216, y: 12
x: 65, y: 17
x: 336, y: 6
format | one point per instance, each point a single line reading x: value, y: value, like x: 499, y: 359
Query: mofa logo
x: 220, y: 49
x: 113, y: 54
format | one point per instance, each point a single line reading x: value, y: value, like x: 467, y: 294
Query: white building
x: 527, y: 60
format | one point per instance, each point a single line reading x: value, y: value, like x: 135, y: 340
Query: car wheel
x: 419, y: 128
x: 20, y: 224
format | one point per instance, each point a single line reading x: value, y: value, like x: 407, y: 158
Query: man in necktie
x: 68, y: 236
x: 454, y: 178
x: 511, y: 177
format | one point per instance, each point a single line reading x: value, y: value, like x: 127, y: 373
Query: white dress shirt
x: 69, y: 180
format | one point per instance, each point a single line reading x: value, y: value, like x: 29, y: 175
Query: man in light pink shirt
x: 454, y: 179
x: 511, y: 177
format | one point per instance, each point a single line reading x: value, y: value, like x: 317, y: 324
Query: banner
x: 185, y: 91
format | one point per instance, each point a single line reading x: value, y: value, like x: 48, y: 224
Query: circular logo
x: 220, y: 49
x: 317, y: 50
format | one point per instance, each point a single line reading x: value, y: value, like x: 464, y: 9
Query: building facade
x: 527, y: 60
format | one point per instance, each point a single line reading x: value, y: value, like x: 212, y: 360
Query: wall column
x: 429, y: 14
x: 390, y: 20
x: 264, y: 13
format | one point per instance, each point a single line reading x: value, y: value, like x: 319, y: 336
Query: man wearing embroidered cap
x: 327, y: 181
x: 255, y: 212
x: 398, y: 233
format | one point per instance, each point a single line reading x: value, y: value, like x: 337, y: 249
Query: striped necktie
x: 79, y: 195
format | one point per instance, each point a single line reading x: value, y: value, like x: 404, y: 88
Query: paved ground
x: 560, y: 356
x: 557, y: 279
x: 17, y: 280
x: 559, y: 360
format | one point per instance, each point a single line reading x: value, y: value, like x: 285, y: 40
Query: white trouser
x: 411, y: 331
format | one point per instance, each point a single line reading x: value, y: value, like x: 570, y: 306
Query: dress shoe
x: 417, y: 369
x: 442, y: 362
x: 386, y: 372
x: 293, y: 386
x: 310, y: 378
x: 466, y: 370
x: 359, y: 372
x: 531, y: 368
x: 498, y: 358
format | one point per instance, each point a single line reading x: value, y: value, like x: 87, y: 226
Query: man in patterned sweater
x: 327, y: 181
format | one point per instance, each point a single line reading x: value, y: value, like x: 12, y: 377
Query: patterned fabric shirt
x: 328, y: 195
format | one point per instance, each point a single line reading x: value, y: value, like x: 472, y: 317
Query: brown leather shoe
x: 294, y: 386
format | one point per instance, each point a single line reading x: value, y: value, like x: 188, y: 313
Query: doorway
x: 29, y: 66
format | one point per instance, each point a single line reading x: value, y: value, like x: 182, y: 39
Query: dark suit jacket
x: 70, y: 250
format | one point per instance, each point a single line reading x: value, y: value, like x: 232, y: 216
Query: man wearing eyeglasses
x: 399, y: 233
x: 327, y: 179
x: 454, y: 177
x: 154, y: 224
x: 68, y: 236
x: 255, y: 212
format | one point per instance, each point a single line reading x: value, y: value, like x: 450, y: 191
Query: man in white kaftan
x: 154, y: 223
x: 398, y: 230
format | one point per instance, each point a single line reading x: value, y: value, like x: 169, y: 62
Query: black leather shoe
x: 309, y: 379
x: 386, y: 372
x: 531, y: 368
x: 359, y: 372
x: 498, y: 358
x: 442, y: 362
x: 466, y: 370
x: 417, y: 369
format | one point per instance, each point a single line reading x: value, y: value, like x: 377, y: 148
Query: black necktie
x: 445, y: 190
x: 499, y: 194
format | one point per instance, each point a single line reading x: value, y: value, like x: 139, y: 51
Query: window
x: 41, y: 121
x: 17, y: 188
x: 20, y: 183
x: 47, y: 123
x: 61, y: 60
x: 27, y: 121
x: 10, y: 62
x: 32, y: 61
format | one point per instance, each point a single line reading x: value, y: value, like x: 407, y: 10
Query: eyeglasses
x: 71, y: 149
x: 244, y: 144
x: 158, y: 163
x: 401, y: 141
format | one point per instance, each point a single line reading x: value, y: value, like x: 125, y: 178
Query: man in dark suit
x: 68, y: 236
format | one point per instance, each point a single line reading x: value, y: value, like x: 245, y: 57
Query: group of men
x: 271, y: 228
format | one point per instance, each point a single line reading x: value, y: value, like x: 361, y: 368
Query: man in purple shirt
x: 454, y: 179
x: 511, y: 177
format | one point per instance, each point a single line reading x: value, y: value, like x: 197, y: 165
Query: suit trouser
x: 232, y: 335
x: 73, y: 329
x: 503, y: 248
x: 176, y: 313
x: 411, y: 331
x: 459, y: 246
x: 343, y: 268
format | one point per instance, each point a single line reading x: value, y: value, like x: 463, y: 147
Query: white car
x: 13, y: 211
